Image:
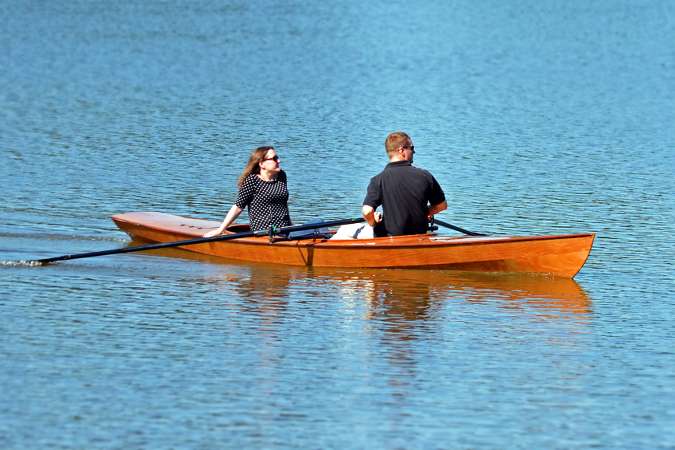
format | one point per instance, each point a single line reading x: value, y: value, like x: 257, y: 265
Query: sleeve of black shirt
x: 374, y: 194
x: 436, y: 195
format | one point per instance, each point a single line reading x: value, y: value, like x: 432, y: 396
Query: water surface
x: 536, y: 118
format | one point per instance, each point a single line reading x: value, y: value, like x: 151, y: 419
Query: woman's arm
x: 229, y: 218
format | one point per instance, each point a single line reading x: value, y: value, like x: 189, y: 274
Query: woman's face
x: 271, y: 162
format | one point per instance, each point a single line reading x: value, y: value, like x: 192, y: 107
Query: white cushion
x: 354, y: 231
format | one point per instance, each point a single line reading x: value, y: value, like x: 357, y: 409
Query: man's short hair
x: 395, y: 140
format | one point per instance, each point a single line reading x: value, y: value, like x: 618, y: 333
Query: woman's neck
x: 266, y: 175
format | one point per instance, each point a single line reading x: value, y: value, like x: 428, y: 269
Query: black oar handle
x: 224, y: 237
x: 453, y: 227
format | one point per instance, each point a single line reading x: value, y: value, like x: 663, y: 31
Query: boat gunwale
x: 389, y: 242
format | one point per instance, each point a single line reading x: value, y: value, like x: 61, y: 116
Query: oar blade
x: 22, y: 263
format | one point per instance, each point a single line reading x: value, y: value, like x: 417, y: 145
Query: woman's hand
x: 212, y: 233
x: 217, y: 232
x: 229, y: 218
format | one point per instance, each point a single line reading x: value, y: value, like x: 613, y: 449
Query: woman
x: 262, y: 188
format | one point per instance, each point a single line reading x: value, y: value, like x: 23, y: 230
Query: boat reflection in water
x: 398, y: 308
x: 406, y: 295
x: 413, y: 311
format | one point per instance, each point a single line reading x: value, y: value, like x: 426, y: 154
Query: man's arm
x: 371, y: 202
x: 372, y: 217
x: 435, y: 209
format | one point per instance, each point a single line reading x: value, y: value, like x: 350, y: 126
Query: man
x: 409, y: 196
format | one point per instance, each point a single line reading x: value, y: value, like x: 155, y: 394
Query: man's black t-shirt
x: 405, y: 193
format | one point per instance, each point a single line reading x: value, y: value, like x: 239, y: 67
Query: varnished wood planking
x: 561, y: 255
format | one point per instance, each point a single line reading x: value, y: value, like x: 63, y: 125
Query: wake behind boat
x: 556, y: 255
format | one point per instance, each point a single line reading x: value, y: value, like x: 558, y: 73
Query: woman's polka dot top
x: 267, y: 201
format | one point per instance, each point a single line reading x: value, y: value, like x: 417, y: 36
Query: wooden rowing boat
x: 559, y: 255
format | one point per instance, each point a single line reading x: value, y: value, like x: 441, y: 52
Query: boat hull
x: 560, y: 255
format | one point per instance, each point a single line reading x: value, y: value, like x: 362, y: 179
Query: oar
x: 461, y: 230
x: 225, y: 237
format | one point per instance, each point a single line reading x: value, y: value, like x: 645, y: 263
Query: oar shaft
x: 225, y: 237
x: 456, y: 228
x: 140, y: 248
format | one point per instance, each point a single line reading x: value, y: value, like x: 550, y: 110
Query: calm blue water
x: 536, y: 117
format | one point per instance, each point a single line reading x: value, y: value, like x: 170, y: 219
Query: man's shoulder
x: 427, y: 173
x: 401, y: 170
x: 418, y: 171
x: 377, y: 177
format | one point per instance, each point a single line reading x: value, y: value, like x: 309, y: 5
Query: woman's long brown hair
x: 257, y: 156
